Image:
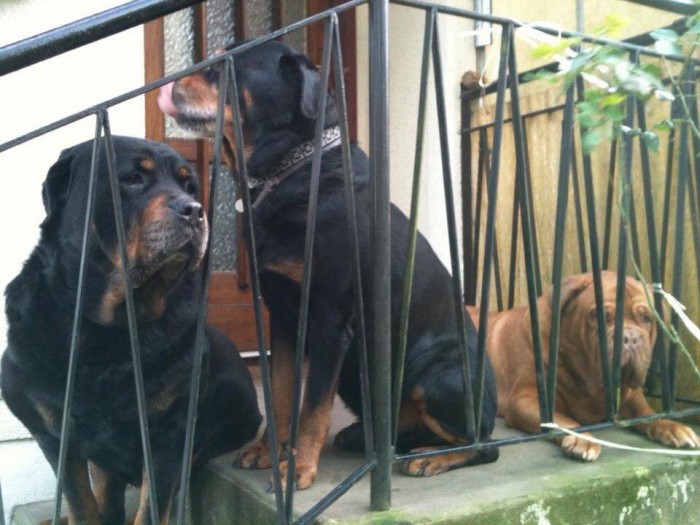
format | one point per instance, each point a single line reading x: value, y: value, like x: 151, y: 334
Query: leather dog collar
x: 292, y: 161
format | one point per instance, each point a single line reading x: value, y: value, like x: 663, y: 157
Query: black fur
x: 281, y: 85
x: 40, y: 305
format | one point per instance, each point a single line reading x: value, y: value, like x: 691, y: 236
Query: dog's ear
x: 571, y: 288
x: 56, y: 187
x: 303, y: 69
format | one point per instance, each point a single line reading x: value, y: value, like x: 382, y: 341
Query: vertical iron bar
x: 131, y: 318
x: 660, y: 363
x: 2, y: 507
x: 468, y: 248
x: 676, y: 113
x: 200, y: 342
x: 380, y: 489
x: 302, y: 327
x: 687, y: 88
x: 472, y: 411
x: 521, y: 172
x: 77, y: 318
x: 595, y: 268
x: 531, y: 206
x: 515, y: 221
x: 483, y: 167
x: 490, y: 234
x: 430, y: 17
x: 567, y: 131
x: 354, y: 240
x: 242, y: 169
x: 624, y: 200
x: 609, y: 203
x: 579, y: 212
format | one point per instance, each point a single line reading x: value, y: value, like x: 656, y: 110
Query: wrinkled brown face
x: 639, y: 326
x: 165, y: 225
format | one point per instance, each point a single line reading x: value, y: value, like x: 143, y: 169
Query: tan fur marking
x: 291, y: 269
x: 183, y: 172
x: 148, y: 164
x: 418, y: 398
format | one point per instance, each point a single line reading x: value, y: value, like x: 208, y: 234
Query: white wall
x: 30, y: 98
x: 406, y: 28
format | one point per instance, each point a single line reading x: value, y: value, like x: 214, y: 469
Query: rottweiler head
x: 166, y: 228
x: 278, y: 98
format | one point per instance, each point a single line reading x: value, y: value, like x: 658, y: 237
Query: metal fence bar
x: 85, y: 31
x: 348, y: 179
x: 200, y: 342
x: 430, y: 19
x: 492, y: 189
x: 77, y: 318
x: 687, y: 90
x: 271, y: 429
x: 521, y: 173
x: 607, y: 228
x: 380, y: 492
x: 131, y: 319
x: 472, y: 404
x: 580, y: 230
x: 596, y: 266
x: 308, y: 257
x: 565, y: 165
x: 624, y: 200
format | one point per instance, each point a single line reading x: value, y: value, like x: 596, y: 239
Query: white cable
x: 610, y: 444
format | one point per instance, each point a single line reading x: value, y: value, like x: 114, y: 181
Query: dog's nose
x: 630, y: 338
x: 189, y: 210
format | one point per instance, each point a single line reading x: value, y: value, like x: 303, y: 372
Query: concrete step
x: 531, y: 483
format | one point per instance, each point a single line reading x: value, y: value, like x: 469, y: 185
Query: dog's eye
x: 132, y: 180
x: 647, y: 318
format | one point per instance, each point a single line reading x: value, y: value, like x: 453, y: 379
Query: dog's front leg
x: 82, y: 508
x: 328, y: 340
x: 109, y: 494
x: 282, y: 357
x: 665, y: 431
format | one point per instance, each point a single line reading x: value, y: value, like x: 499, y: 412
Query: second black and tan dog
x: 279, y: 96
x: 166, y: 239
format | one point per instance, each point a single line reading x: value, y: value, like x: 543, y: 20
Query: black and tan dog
x: 279, y: 95
x: 167, y: 237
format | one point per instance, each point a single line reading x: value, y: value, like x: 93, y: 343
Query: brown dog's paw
x: 580, y: 448
x: 673, y: 434
x: 304, y: 476
x: 255, y: 457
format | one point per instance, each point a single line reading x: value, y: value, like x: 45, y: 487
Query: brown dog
x: 580, y: 394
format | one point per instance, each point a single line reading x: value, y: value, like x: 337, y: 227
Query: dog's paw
x: 304, y: 477
x: 580, y: 448
x: 255, y: 457
x: 673, y: 434
x: 425, y: 467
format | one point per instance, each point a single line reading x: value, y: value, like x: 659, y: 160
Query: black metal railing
x: 381, y: 391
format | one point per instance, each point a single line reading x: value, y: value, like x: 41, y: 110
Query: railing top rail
x: 56, y: 41
x: 503, y: 21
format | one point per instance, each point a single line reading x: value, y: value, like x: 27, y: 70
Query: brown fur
x: 579, y: 392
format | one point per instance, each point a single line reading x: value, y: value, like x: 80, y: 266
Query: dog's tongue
x: 165, y: 100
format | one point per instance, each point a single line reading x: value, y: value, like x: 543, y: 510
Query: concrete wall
x: 30, y: 98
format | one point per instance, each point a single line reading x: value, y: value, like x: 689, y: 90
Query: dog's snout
x: 631, y: 338
x: 189, y: 210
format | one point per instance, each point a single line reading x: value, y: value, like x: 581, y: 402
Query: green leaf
x: 668, y: 35
x: 652, y: 69
x: 548, y: 50
x: 694, y: 29
x: 590, y: 140
x: 613, y: 99
x: 650, y: 140
x: 666, y: 47
x: 665, y: 125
